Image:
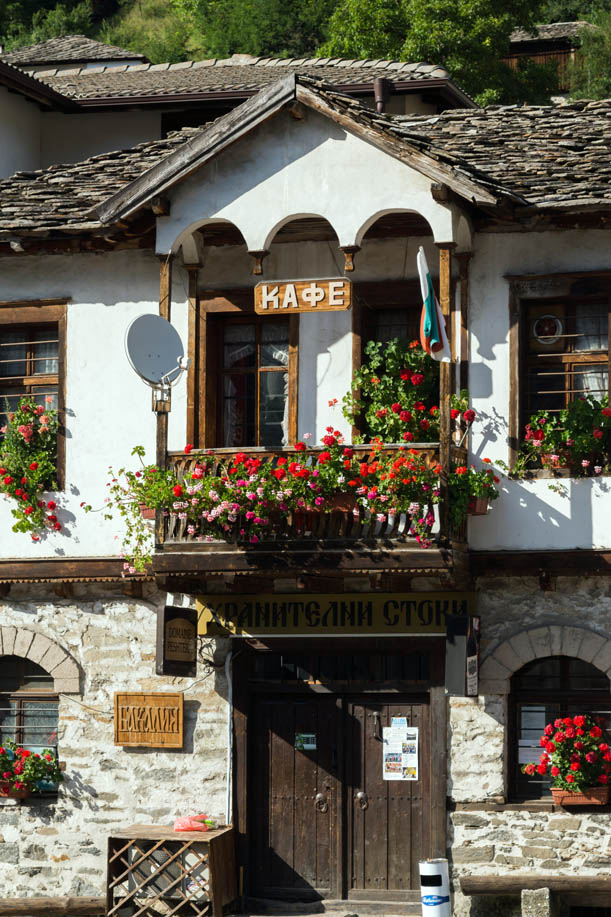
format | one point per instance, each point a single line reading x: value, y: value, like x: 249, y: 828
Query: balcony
x: 343, y: 536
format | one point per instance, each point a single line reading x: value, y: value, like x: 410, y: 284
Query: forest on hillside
x: 468, y: 37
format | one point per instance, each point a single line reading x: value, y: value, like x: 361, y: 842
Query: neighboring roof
x: 240, y: 75
x: 58, y: 199
x: 70, y: 48
x: 553, y: 156
x: 16, y: 80
x: 553, y: 31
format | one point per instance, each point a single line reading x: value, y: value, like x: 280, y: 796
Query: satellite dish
x: 154, y: 350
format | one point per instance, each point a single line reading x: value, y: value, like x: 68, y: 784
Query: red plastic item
x: 193, y: 823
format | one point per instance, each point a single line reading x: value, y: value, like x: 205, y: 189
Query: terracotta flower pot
x: 591, y: 796
x: 6, y: 791
x: 478, y: 506
x: 146, y: 511
x: 345, y: 502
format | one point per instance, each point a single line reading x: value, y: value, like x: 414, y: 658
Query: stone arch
x: 536, y: 643
x: 53, y: 658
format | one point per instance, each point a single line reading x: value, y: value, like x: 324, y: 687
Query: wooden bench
x: 573, y: 889
x: 52, y: 907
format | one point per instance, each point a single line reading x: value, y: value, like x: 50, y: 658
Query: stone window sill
x: 528, y: 805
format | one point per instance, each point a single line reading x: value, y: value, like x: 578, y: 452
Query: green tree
x: 279, y: 28
x: 570, y: 10
x: 591, y: 71
x: 150, y: 27
x: 27, y: 26
x: 468, y: 37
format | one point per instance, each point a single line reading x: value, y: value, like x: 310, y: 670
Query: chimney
x: 381, y: 92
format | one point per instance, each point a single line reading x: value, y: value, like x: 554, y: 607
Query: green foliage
x: 22, y: 769
x: 577, y: 437
x: 395, y: 394
x: 591, y: 72
x: 150, y: 27
x: 466, y: 483
x: 468, y: 37
x: 278, y: 28
x: 28, y: 465
x: 570, y: 10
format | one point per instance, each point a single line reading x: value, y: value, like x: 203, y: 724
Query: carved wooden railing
x: 341, y: 523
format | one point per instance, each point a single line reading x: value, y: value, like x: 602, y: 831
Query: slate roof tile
x: 517, y: 150
x: 240, y: 72
x: 69, y: 48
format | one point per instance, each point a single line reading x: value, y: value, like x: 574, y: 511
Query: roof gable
x: 350, y: 114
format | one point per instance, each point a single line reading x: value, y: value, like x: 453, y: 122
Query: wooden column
x: 446, y: 384
x: 162, y: 407
x: 462, y: 345
x: 193, y: 353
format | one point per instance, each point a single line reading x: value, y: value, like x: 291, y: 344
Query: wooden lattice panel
x: 156, y: 871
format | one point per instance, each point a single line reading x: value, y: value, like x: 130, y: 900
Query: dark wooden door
x: 293, y: 797
x: 389, y: 828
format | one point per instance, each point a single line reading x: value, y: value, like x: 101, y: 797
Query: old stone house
x: 283, y: 723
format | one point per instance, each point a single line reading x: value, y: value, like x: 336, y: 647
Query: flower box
x: 478, y: 506
x: 7, y: 792
x: 591, y: 796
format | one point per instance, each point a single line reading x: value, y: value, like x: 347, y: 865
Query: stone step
x: 409, y: 906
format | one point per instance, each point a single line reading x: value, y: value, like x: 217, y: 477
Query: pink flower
x: 49, y: 399
x: 584, y: 463
x: 39, y: 409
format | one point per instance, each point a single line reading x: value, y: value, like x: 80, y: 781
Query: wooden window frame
x: 207, y: 309
x: 564, y: 700
x: 519, y: 300
x: 42, y: 312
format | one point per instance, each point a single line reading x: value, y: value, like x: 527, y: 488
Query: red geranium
x: 573, y: 762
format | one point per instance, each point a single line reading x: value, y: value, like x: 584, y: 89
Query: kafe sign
x: 379, y: 614
x: 297, y: 296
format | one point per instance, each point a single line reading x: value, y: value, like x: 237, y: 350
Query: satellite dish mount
x: 155, y: 352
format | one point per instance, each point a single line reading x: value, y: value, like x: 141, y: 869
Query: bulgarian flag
x: 432, y: 324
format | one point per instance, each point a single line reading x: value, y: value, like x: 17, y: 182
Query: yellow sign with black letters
x: 299, y: 614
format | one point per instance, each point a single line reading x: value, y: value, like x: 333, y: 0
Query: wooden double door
x: 323, y: 821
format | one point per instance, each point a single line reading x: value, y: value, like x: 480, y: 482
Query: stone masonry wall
x: 55, y: 847
x: 487, y: 835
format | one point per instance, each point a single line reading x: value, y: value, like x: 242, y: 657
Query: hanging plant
x: 28, y: 465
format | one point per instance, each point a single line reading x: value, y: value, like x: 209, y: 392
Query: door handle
x: 320, y: 802
x: 363, y: 800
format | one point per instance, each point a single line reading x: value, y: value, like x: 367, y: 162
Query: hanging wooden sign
x: 176, y: 641
x: 295, y: 296
x: 153, y: 720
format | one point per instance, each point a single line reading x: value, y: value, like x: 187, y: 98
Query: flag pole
x: 446, y: 371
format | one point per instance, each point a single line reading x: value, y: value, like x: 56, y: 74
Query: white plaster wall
x: 528, y: 514
x: 73, y: 137
x: 20, y: 132
x: 108, y: 408
x: 285, y: 168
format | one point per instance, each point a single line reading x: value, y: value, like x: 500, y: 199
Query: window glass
x: 29, y: 708
x: 28, y: 352
x: 254, y: 392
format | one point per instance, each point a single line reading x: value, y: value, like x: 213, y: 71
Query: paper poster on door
x: 400, y: 751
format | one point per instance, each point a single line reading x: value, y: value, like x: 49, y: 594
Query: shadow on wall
x: 546, y: 514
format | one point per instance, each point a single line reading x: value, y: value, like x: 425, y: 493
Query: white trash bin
x: 435, y: 888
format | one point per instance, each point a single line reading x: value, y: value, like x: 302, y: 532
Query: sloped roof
x: 240, y: 74
x: 75, y: 48
x: 16, y: 80
x: 553, y: 31
x: 552, y: 156
x: 59, y: 198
